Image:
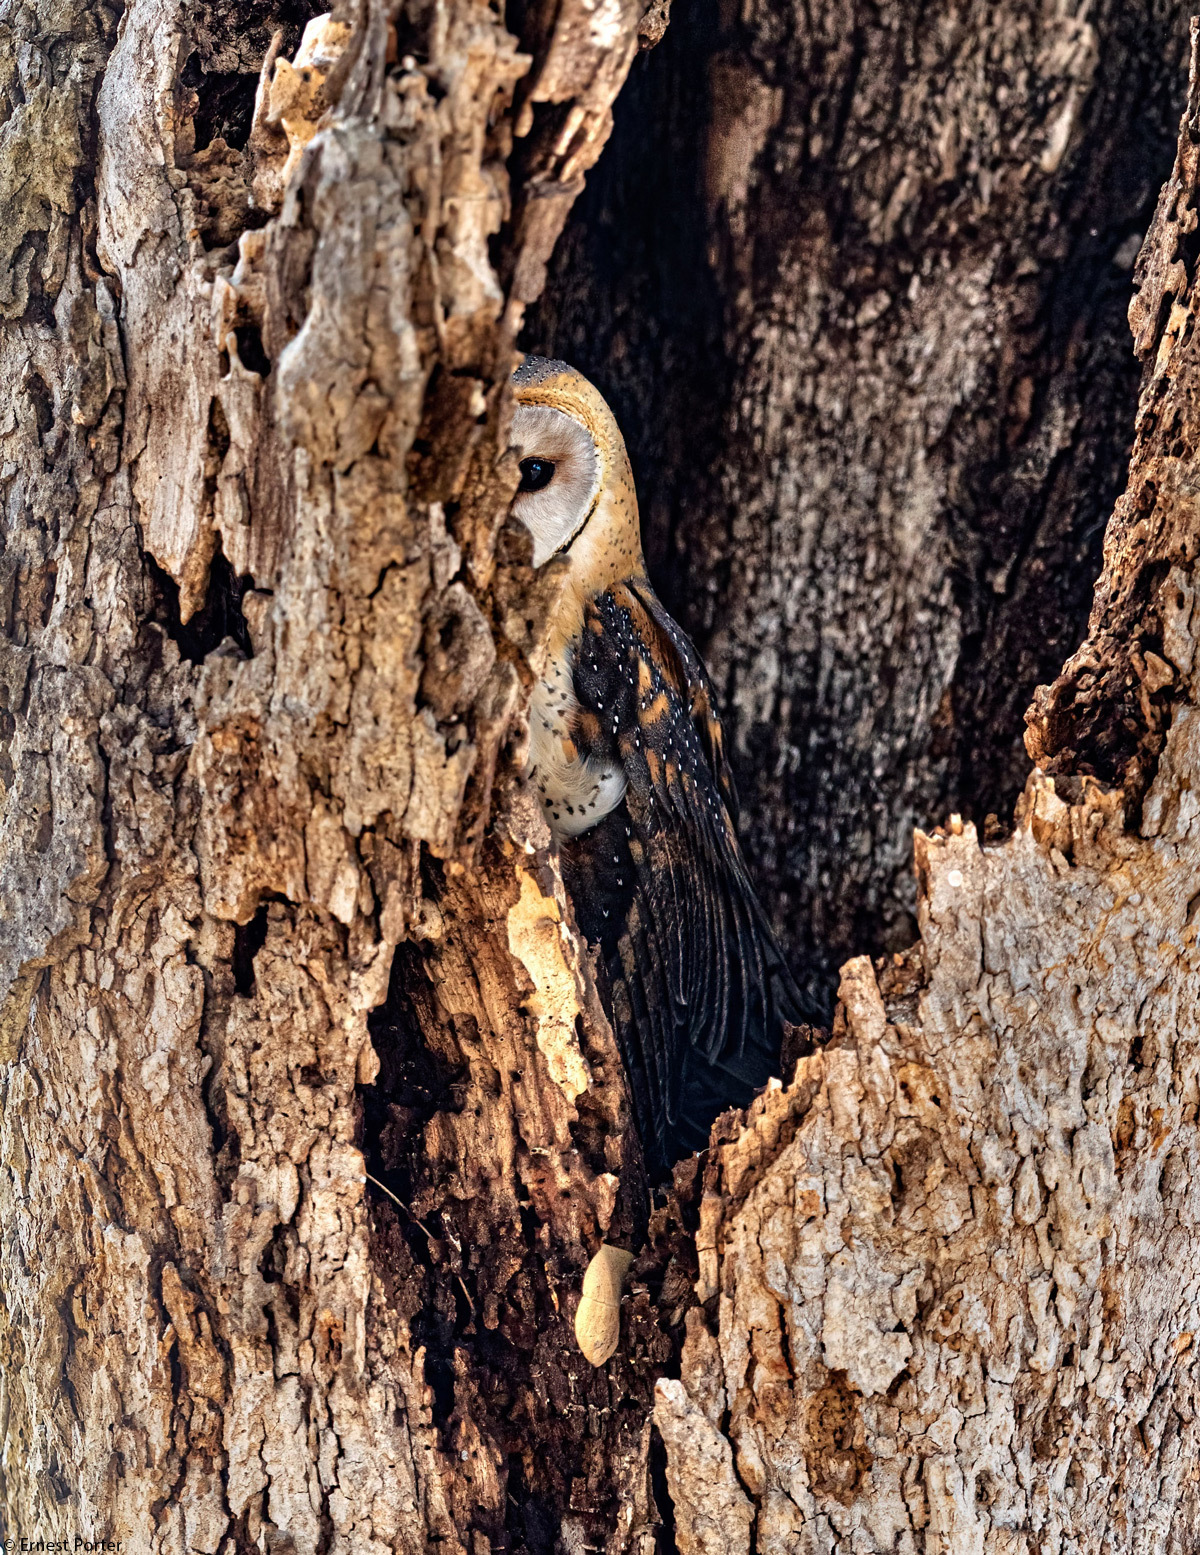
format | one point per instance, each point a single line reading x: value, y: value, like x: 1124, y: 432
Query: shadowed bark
x: 948, y: 1277
x: 865, y: 329
x: 311, y: 1117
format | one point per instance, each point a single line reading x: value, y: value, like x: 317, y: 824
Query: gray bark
x: 865, y: 327
x: 949, y: 1275
x: 278, y: 913
x: 266, y: 639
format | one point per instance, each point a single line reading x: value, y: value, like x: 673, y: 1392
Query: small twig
x: 383, y: 1188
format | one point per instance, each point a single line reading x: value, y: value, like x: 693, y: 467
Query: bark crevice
x: 872, y: 321
x: 278, y: 913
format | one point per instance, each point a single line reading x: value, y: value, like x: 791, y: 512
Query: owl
x: 626, y: 752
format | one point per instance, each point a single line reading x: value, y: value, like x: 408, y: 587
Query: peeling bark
x: 267, y: 639
x: 949, y: 1275
x: 311, y: 1117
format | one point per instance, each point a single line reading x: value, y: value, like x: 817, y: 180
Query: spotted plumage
x: 627, y: 755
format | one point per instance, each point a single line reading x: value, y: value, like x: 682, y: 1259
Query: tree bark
x: 278, y: 913
x: 268, y: 637
x: 865, y: 328
x: 949, y: 1276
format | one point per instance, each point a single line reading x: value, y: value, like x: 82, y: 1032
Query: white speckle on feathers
x: 586, y: 789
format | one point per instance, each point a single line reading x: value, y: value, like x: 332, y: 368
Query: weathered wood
x: 266, y: 642
x: 864, y: 327
x: 276, y: 913
x: 950, y: 1275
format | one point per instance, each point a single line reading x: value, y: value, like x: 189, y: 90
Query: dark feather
x: 697, y: 985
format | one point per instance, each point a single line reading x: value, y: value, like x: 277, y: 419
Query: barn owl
x: 626, y: 752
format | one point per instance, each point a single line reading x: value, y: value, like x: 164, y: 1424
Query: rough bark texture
x: 950, y: 1274
x: 865, y: 327
x: 266, y: 639
x: 274, y: 906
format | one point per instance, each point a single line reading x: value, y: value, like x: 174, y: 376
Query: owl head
x: 576, y: 495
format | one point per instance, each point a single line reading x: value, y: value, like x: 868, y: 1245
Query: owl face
x: 576, y: 494
x: 560, y: 477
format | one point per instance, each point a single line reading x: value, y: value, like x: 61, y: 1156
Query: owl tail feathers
x: 788, y: 1001
x: 707, y: 1089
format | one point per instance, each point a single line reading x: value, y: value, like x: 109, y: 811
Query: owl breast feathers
x: 627, y: 753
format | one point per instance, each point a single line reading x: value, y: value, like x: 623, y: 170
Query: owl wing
x: 697, y: 985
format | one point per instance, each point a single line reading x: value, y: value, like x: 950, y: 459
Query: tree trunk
x: 949, y: 1278
x: 268, y: 640
x: 278, y: 912
x: 864, y: 325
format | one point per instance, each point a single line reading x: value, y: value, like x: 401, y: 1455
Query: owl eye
x: 536, y: 474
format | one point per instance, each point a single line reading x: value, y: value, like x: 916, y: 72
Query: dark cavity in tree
x: 488, y: 1297
x: 248, y: 940
x: 220, y: 617
x: 672, y: 307
x: 229, y: 42
x: 251, y: 353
